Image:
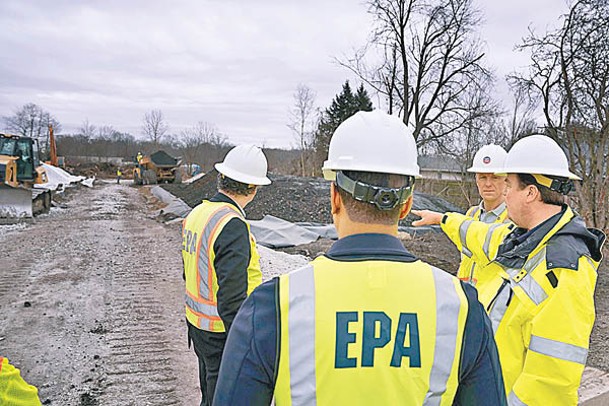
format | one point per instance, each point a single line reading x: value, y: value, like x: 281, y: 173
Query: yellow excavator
x: 20, y: 170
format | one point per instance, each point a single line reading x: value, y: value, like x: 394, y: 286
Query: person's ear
x: 406, y: 207
x: 533, y: 193
x: 335, y: 199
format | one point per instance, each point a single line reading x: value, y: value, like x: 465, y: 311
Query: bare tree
x: 521, y: 116
x: 301, y: 122
x: 570, y: 73
x: 154, y: 126
x: 87, y: 130
x: 193, y: 141
x: 481, y: 125
x: 33, y: 121
x: 430, y: 56
x: 105, y: 131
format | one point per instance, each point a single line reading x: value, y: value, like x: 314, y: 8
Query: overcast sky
x: 232, y: 63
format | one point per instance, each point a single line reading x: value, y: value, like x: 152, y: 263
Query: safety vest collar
x: 223, y: 198
x: 520, y: 243
x: 371, y: 246
x: 497, y: 212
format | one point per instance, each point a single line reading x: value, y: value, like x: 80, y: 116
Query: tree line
x: 424, y: 62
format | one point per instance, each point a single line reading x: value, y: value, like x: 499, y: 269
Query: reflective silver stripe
x: 448, y: 305
x: 487, y: 239
x: 475, y: 210
x: 533, y: 289
x: 534, y: 262
x: 301, y: 327
x: 463, y: 235
x: 471, y: 275
x: 204, y: 289
x: 557, y: 349
x: 503, y: 211
x: 500, y: 306
x: 207, y: 309
x: 514, y: 401
x: 530, y: 286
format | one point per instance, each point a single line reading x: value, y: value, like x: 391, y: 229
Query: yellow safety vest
x: 542, y: 320
x: 468, y: 268
x: 369, y: 332
x: 14, y: 390
x: 199, y: 232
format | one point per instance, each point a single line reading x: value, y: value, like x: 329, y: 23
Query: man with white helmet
x: 221, y: 263
x: 541, y: 302
x: 492, y: 209
x: 367, y: 323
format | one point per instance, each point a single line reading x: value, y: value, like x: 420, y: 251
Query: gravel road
x: 91, y: 302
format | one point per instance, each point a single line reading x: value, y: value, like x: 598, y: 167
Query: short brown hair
x: 232, y: 186
x: 363, y: 212
x: 548, y: 196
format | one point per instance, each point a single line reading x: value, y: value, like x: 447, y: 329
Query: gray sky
x: 232, y: 63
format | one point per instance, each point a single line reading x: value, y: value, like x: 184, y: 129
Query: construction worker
x: 119, y: 175
x: 492, y: 209
x: 540, y: 297
x: 139, y: 157
x: 367, y: 323
x: 14, y: 390
x: 221, y: 263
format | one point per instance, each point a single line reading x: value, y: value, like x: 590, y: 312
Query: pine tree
x: 343, y: 106
x: 362, y: 101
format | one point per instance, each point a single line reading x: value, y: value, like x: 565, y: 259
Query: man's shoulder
x: 572, y: 241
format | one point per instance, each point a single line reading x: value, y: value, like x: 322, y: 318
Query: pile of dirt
x: 162, y: 159
x: 97, y: 169
x: 291, y: 198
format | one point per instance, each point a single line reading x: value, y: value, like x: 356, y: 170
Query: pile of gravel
x: 274, y: 263
x: 291, y: 198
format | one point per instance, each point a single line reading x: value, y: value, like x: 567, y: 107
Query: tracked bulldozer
x: 20, y: 171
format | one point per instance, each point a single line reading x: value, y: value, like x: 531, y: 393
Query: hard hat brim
x: 242, y: 177
x: 484, y: 170
x: 566, y: 174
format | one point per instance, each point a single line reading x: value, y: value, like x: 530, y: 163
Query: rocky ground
x: 291, y: 198
x: 91, y: 298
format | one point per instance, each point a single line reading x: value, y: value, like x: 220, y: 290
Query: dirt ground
x: 91, y: 301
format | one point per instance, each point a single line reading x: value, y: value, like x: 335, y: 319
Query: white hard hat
x: 489, y: 159
x: 372, y: 141
x: 246, y: 164
x: 538, y: 154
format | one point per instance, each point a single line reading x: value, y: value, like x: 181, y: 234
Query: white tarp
x: 58, y: 178
x: 274, y: 232
x: 175, y: 206
x: 194, y: 178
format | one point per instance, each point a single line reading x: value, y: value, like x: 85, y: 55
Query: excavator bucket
x: 15, y: 203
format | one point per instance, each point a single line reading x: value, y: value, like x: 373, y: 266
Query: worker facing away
x: 221, y: 263
x: 14, y: 390
x: 366, y: 323
x: 119, y: 175
x: 541, y: 275
x: 492, y: 209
